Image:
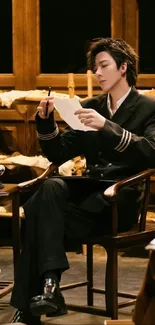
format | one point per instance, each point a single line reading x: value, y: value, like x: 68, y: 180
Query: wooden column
x: 18, y: 42
x: 131, y: 23
x: 25, y: 43
x: 117, y: 18
x: 124, y: 21
x: 30, y: 43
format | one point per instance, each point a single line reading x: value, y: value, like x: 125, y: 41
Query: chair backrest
x: 89, y: 83
x: 71, y: 84
x: 144, y: 206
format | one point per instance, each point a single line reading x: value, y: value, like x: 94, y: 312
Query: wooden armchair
x: 140, y: 235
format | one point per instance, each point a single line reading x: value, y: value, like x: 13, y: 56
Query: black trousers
x: 62, y: 208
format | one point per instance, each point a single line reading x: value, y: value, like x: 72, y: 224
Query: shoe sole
x: 42, y: 308
x: 60, y: 312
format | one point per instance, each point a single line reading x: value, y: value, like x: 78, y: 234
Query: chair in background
x: 72, y: 84
x: 140, y: 235
x: 89, y: 84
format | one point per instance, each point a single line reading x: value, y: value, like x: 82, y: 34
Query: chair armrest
x: 113, y: 190
x: 51, y: 170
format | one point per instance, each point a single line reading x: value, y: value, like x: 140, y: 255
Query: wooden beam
x: 61, y: 80
x: 146, y: 81
x: 7, y: 80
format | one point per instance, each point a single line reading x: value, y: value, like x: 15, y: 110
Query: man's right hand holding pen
x: 42, y: 108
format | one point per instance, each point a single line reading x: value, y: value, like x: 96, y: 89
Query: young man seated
x: 121, y: 143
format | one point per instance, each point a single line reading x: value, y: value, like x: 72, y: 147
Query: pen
x: 49, y: 91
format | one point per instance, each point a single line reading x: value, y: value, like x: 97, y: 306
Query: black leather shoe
x: 25, y: 317
x: 60, y: 312
x: 51, y: 302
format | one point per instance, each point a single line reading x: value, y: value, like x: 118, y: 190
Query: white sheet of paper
x: 66, y: 107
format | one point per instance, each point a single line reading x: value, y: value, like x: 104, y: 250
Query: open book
x: 66, y: 108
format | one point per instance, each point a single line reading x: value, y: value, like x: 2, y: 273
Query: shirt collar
x: 118, y: 104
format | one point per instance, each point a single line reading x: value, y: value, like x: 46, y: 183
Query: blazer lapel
x: 102, y: 107
x: 126, y: 109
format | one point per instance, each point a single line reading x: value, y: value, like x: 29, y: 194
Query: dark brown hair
x: 120, y: 51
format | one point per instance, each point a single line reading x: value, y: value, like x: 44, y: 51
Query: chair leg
x: 90, y: 274
x: 111, y: 284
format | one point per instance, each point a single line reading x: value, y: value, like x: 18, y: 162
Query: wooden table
x: 10, y: 192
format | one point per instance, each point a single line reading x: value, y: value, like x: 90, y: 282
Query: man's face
x: 107, y: 73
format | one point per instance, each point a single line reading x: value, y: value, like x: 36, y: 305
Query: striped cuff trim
x: 48, y: 136
x: 125, y: 141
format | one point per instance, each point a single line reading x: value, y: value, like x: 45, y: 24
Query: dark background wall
x: 67, y: 28
x: 146, y: 36
x: 6, y: 36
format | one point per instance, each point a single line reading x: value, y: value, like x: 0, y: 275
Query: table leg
x: 15, y: 231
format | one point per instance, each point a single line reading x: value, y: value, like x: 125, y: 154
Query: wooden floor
x: 131, y: 273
